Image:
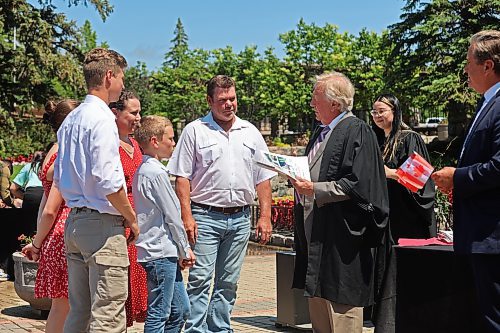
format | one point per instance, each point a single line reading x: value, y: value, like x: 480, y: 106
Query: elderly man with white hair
x: 342, y: 213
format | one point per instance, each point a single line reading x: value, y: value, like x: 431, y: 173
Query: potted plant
x: 25, y: 275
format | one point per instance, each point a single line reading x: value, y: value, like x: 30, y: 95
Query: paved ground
x: 255, y: 309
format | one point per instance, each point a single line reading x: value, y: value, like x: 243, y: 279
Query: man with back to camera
x: 89, y: 175
x: 216, y: 183
x: 475, y: 182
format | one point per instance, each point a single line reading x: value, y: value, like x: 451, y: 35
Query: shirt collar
x: 490, y: 93
x: 337, y: 120
x: 209, y: 119
x: 150, y: 159
x: 96, y: 100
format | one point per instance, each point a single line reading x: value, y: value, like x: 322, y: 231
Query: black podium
x: 433, y: 292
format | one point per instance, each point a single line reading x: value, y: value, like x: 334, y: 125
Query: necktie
x: 317, y: 143
x: 310, y: 156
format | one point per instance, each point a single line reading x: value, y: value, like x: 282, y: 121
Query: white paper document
x: 292, y: 166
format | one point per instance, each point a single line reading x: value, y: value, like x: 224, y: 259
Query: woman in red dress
x: 127, y: 110
x: 48, y: 245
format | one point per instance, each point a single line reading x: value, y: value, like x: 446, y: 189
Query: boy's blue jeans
x: 168, y: 303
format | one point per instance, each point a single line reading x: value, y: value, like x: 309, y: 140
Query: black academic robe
x: 339, y: 263
x: 411, y: 214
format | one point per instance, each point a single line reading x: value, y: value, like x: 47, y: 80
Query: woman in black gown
x: 411, y: 214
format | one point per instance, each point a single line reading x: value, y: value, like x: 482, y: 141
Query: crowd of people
x: 112, y: 234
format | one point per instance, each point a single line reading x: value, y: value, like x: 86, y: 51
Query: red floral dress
x: 52, y: 275
x: 137, y: 300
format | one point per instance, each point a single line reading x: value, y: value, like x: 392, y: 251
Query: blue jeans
x: 168, y: 304
x: 221, y: 246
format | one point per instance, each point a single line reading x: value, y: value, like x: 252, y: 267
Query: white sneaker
x: 3, y: 276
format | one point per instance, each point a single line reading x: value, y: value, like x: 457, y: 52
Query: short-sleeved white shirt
x: 219, y: 164
x: 88, y: 167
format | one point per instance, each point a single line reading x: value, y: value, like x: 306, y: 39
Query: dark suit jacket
x: 476, y: 194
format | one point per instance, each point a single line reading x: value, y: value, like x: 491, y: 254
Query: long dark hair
x: 390, y: 144
x: 37, y: 160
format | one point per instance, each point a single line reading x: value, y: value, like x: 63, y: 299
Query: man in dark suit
x: 476, y: 180
x: 342, y: 214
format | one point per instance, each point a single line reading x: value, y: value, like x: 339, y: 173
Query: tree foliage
x: 138, y: 80
x: 430, y: 44
x: 37, y: 45
x: 179, y: 48
x: 103, y: 7
x: 179, y: 93
x: 40, y: 59
x: 420, y: 59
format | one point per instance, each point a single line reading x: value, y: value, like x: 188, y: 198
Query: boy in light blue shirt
x: 162, y: 246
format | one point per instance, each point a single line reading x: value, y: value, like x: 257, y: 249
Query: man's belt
x: 84, y: 209
x: 223, y: 210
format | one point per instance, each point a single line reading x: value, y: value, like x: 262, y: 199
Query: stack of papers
x: 291, y: 166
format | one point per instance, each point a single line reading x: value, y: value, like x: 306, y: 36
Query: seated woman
x: 411, y: 214
x: 28, y: 187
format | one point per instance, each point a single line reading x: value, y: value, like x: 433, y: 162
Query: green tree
x: 38, y: 45
x: 88, y: 38
x: 310, y: 50
x: 179, y: 49
x: 137, y: 79
x: 318, y: 49
x: 224, y: 61
x: 366, y: 68
x: 430, y: 44
x: 179, y: 93
x: 39, y: 60
x: 282, y: 91
x: 246, y: 74
x: 103, y: 7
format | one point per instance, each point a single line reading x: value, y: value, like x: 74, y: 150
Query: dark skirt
x: 15, y: 222
x: 29, y: 210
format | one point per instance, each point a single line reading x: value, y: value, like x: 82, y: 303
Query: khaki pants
x: 96, y: 251
x: 330, y: 317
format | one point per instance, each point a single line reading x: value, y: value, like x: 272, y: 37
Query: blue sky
x: 142, y: 29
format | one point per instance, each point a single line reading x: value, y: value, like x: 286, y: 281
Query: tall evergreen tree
x: 179, y: 49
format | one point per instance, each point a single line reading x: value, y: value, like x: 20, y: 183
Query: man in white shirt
x: 90, y: 178
x: 216, y: 182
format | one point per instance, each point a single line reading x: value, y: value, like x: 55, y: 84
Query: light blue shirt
x: 158, y: 213
x: 27, y: 178
x: 489, y: 94
x: 337, y: 119
x: 88, y: 167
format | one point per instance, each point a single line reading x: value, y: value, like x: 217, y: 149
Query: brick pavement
x: 255, y: 309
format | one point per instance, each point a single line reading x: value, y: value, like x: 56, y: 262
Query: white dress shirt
x: 158, y: 214
x: 219, y: 164
x: 88, y: 167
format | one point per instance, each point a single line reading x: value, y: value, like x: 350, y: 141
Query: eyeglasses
x: 378, y: 113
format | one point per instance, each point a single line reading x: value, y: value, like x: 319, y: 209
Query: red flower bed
x: 20, y: 159
x: 282, y: 214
